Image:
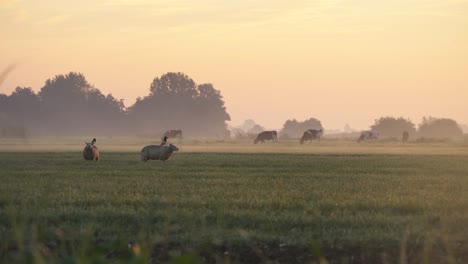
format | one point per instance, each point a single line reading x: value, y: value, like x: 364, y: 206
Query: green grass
x: 367, y: 203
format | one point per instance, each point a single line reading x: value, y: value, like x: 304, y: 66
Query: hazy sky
x: 339, y: 61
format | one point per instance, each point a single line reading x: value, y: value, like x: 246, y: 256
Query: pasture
x: 234, y: 202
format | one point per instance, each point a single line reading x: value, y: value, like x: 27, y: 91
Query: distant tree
x: 174, y: 84
x: 248, y: 130
x: 431, y: 127
x: 72, y: 106
x: 464, y: 128
x: 256, y: 129
x: 392, y: 127
x: 3, y: 103
x: 176, y: 101
x: 248, y: 124
x: 210, y: 105
x: 19, y: 112
x: 347, y: 129
x: 293, y: 128
x: 24, y: 105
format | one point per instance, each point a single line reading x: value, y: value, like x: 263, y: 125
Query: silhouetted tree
x: 391, y: 127
x: 3, y: 103
x: 431, y: 127
x: 72, y: 106
x: 209, y: 104
x: 295, y: 129
x: 175, y: 101
x: 19, y: 112
x: 68, y: 105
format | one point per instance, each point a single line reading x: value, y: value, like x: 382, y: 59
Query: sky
x: 343, y: 62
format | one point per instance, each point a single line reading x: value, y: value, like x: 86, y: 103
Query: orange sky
x: 339, y: 61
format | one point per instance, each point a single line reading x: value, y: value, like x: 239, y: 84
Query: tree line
x: 388, y: 128
x: 429, y: 128
x: 68, y: 105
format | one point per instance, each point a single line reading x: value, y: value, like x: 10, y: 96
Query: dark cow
x: 173, y: 133
x: 311, y: 134
x: 405, y: 136
x: 368, y: 135
x: 266, y: 135
x: 90, y: 151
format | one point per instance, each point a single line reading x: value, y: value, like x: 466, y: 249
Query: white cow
x: 368, y: 134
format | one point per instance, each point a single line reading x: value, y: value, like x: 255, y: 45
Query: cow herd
x: 316, y: 134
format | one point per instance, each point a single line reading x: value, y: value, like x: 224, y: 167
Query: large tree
x: 432, y: 127
x: 177, y: 102
x: 19, y: 112
x: 72, y: 106
x: 392, y: 127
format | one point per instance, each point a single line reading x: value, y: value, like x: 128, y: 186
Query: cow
x: 266, y: 135
x: 405, y: 136
x: 311, y: 134
x: 173, y: 133
x: 368, y: 134
x: 91, y: 151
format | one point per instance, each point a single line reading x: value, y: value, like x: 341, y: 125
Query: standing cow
x: 311, y: 134
x: 368, y: 135
x: 266, y: 135
x: 91, y: 151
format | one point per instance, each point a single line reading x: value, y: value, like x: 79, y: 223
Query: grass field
x: 332, y: 201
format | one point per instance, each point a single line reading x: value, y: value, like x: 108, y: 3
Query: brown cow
x: 266, y: 135
x: 91, y: 151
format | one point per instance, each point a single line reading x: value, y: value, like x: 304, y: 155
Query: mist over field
x: 152, y: 131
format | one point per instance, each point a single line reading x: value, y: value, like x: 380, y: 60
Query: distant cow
x: 91, y: 151
x: 266, y: 135
x: 405, y: 136
x: 311, y: 134
x: 367, y: 135
x: 173, y: 133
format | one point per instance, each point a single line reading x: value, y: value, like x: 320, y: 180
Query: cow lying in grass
x: 158, y: 152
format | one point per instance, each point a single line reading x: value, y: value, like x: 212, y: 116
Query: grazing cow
x: 405, y: 136
x: 91, y: 151
x: 266, y: 135
x: 155, y: 152
x: 173, y: 133
x: 311, y: 134
x: 368, y: 135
